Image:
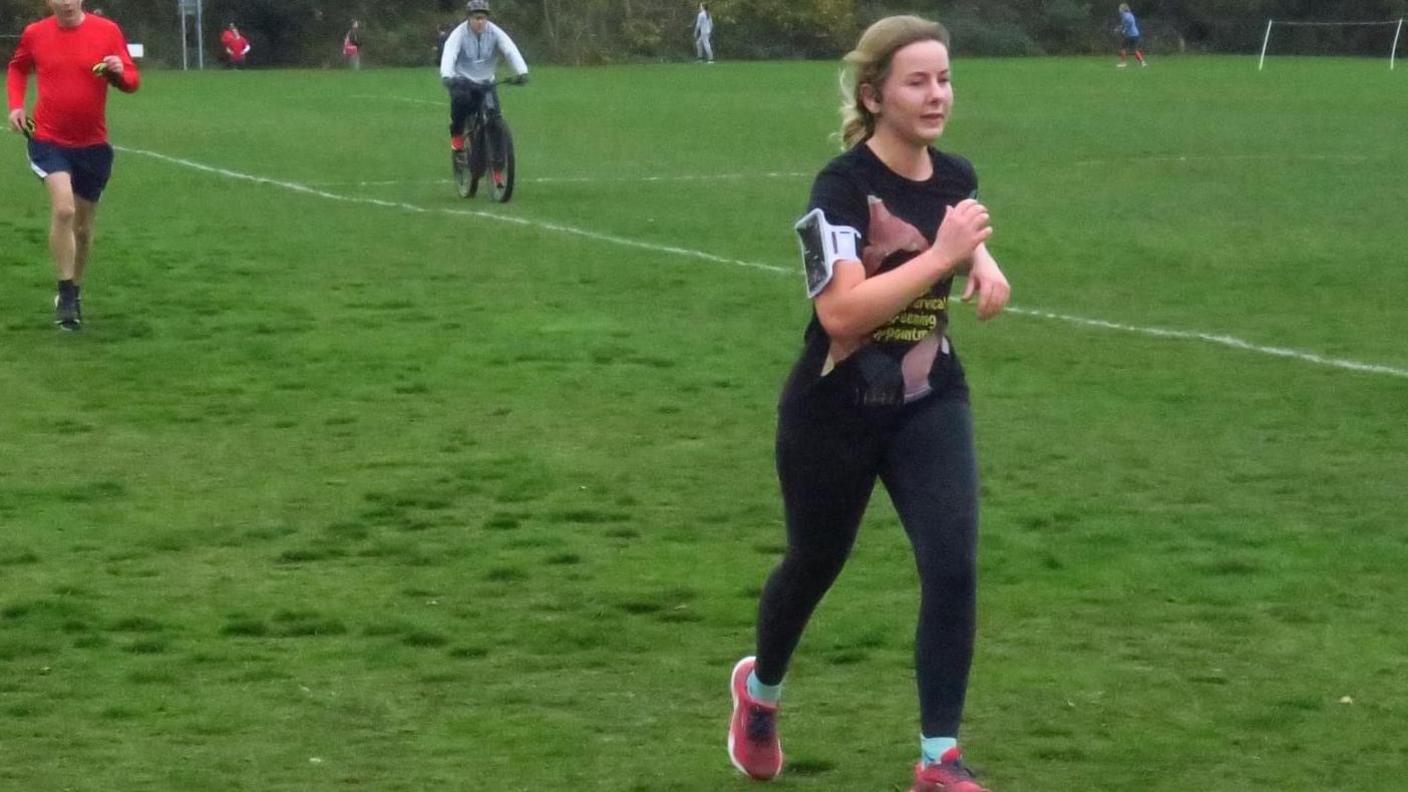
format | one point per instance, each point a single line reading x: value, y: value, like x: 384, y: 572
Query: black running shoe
x: 66, y: 313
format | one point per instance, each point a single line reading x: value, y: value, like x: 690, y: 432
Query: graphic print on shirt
x: 922, y: 322
x: 888, y: 235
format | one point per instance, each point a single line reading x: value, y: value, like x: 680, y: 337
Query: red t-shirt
x: 72, y: 106
x: 236, y: 45
x: 239, y: 47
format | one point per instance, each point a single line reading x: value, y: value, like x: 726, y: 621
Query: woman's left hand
x: 986, y: 280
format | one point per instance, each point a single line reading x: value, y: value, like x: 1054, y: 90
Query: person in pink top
x: 352, y: 45
x: 77, y: 57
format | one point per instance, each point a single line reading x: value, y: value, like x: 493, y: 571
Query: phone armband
x: 822, y: 246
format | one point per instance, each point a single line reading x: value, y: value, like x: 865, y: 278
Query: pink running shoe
x: 946, y: 775
x: 753, y: 746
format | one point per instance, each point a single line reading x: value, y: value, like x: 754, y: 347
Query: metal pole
x: 1393, y: 56
x: 200, y: 32
x: 185, y: 48
x: 1264, y: 42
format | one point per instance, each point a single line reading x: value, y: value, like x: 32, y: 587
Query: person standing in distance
x: 236, y: 46
x: 77, y: 56
x: 1129, y: 30
x: 442, y: 35
x: 352, y: 46
x: 468, y: 67
x: 703, y: 33
x: 878, y: 391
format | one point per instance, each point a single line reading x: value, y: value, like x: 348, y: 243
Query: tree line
x: 581, y: 32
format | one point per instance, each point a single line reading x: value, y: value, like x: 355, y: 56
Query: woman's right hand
x: 17, y: 119
x: 964, y: 228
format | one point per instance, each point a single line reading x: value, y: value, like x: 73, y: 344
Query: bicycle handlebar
x: 464, y: 82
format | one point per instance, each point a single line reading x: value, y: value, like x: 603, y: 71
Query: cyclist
x: 467, y: 68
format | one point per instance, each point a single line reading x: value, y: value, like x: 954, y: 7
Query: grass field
x: 351, y: 484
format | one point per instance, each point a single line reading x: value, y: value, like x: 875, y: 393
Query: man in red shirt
x: 236, y: 46
x: 77, y: 56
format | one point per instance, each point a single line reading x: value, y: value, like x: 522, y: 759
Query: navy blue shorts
x: 89, y: 167
x: 1131, y: 42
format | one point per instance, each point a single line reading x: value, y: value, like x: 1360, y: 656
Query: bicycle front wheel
x: 477, y: 157
x: 459, y: 165
x: 502, y: 161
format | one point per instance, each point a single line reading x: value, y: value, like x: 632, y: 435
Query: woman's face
x: 916, y: 98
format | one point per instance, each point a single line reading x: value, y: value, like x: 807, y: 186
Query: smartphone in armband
x: 823, y: 244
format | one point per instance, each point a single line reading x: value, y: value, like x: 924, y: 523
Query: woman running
x: 878, y: 391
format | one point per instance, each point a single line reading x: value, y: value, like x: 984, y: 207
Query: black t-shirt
x: 895, y: 219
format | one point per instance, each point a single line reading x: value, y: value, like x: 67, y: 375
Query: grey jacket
x: 477, y: 57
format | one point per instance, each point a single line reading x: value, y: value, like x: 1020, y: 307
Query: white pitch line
x: 806, y: 174
x: 510, y: 219
x: 1156, y: 332
x: 706, y: 177
x: 1202, y: 158
x: 1220, y: 340
x: 584, y: 179
x: 388, y: 183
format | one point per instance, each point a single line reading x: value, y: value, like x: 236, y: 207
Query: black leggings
x: 828, y: 457
x: 464, y: 102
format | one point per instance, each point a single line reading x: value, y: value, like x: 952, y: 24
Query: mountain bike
x: 488, y: 144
